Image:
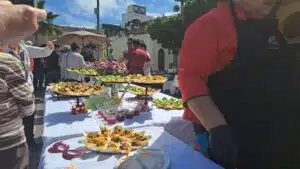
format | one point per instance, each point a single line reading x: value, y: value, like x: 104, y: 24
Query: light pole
x: 97, y: 13
x: 97, y: 9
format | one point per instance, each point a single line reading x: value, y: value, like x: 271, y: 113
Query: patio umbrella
x: 82, y: 37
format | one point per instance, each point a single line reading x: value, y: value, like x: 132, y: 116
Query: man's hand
x: 50, y: 45
x: 5, y: 3
x: 222, y: 147
x: 18, y: 21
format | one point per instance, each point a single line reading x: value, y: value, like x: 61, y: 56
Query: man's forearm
x: 38, y: 52
x: 207, y: 112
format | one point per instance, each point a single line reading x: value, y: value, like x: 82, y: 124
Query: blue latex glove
x: 201, y: 142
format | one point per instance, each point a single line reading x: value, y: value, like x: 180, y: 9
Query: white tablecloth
x: 60, y: 124
x: 58, y: 118
x: 180, y: 154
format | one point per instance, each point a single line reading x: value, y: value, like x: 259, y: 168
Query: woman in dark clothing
x: 52, y: 67
x: 39, y: 72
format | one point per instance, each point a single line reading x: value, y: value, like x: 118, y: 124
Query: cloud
x: 81, y: 12
x: 171, y: 13
x: 108, y: 8
x: 69, y: 20
x: 155, y: 15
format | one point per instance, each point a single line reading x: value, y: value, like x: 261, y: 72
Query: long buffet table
x: 61, y: 125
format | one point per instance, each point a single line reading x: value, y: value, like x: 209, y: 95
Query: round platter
x: 167, y: 108
x: 55, y: 88
x: 115, y: 141
x: 145, y: 159
x: 74, y: 94
x: 141, y: 95
x: 115, y: 82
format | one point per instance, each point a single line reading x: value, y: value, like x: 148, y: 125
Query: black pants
x: 28, y: 123
x: 52, y: 77
x: 15, y: 158
x: 38, y: 79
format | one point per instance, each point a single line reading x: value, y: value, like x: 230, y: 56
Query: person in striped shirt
x: 16, y: 102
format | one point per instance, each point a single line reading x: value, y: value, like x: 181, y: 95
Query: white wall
x: 119, y: 45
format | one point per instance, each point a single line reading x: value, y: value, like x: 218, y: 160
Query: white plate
x: 145, y: 159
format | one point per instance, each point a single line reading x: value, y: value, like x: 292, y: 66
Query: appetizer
x: 114, y: 79
x: 141, y: 91
x: 84, y: 71
x: 168, y: 104
x: 116, y: 140
x: 75, y: 89
x: 147, y: 79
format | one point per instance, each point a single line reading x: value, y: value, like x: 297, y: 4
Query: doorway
x: 161, y: 60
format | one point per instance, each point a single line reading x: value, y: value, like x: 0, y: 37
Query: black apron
x: 259, y: 95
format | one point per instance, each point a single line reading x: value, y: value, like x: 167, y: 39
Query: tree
x: 169, y: 31
x: 47, y: 28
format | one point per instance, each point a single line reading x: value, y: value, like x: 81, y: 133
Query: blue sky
x: 80, y: 13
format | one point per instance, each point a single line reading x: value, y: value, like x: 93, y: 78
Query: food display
x: 168, y: 104
x: 147, y: 79
x: 114, y: 79
x: 75, y: 89
x: 105, y: 67
x: 116, y: 140
x: 84, y: 71
x: 141, y: 91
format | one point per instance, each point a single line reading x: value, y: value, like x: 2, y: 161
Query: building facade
x: 133, y: 22
x: 135, y: 12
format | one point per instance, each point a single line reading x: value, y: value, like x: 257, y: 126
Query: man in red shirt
x: 240, y: 81
x: 137, y: 59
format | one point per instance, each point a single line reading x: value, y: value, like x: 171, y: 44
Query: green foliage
x: 47, y: 28
x: 169, y: 31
